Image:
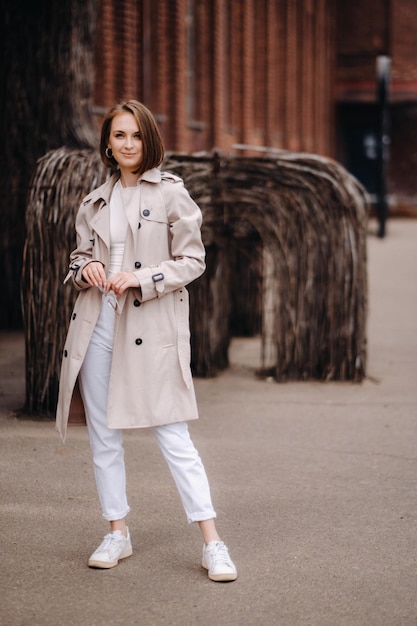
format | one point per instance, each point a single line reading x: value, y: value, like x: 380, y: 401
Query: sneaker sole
x: 220, y: 578
x: 110, y: 564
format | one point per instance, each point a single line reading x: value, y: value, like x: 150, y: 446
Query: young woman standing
x: 138, y: 246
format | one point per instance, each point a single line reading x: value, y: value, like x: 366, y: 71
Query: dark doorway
x: 357, y: 125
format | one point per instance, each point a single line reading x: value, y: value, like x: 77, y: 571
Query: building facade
x: 223, y: 74
x: 245, y: 75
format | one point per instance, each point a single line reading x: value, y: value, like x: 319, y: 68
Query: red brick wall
x: 364, y: 31
x: 404, y: 48
x: 222, y: 72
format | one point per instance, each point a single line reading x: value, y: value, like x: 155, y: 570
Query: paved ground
x: 315, y: 488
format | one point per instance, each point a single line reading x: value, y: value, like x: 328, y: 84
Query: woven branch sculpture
x: 286, y: 248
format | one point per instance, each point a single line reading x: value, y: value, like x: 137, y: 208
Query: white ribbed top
x: 118, y: 228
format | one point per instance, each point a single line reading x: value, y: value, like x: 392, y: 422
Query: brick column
x: 292, y: 92
x: 105, y: 78
x: 130, y: 44
x: 217, y: 118
x: 309, y: 77
x: 247, y: 73
x: 177, y: 77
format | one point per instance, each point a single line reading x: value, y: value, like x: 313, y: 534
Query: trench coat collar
x: 152, y: 176
x: 104, y: 191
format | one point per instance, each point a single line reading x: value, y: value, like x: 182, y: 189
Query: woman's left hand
x: 122, y: 281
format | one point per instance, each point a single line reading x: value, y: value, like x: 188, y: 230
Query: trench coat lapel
x: 100, y: 223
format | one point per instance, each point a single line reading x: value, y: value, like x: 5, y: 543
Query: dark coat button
x: 65, y: 352
x: 136, y: 303
x: 138, y: 264
x: 74, y: 315
x: 146, y: 212
x: 138, y: 342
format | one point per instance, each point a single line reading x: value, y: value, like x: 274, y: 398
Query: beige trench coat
x: 150, y: 381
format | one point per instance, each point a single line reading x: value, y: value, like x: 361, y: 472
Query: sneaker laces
x: 220, y: 554
x: 109, y: 542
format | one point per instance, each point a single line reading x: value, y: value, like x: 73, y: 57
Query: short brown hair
x: 153, y: 148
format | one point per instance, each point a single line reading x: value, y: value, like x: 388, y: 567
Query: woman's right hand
x: 94, y: 274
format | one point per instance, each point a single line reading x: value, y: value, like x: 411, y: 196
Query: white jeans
x: 107, y: 443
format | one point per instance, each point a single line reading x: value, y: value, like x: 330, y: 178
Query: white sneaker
x: 217, y: 561
x: 115, y: 546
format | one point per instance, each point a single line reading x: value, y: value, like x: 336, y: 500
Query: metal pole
x: 383, y: 67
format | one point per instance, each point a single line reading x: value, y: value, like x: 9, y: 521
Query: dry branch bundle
x: 311, y: 218
x: 60, y: 181
x: 291, y: 226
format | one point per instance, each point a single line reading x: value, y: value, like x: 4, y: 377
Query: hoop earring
x: 109, y: 153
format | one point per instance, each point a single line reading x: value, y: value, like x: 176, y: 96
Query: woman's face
x: 125, y: 142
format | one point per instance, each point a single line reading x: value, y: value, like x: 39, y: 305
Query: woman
x: 138, y: 245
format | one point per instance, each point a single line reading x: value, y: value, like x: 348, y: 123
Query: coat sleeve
x: 83, y: 253
x: 187, y: 250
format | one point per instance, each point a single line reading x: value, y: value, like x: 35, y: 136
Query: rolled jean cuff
x: 201, y: 517
x: 111, y: 517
